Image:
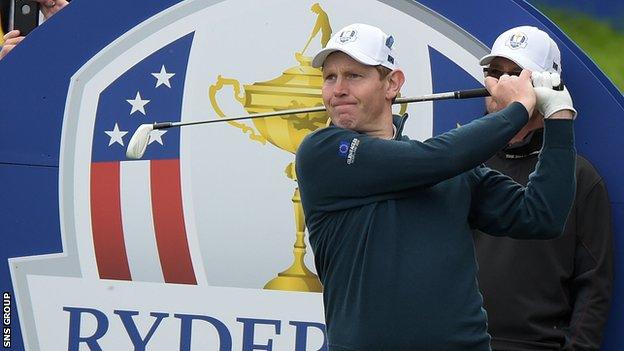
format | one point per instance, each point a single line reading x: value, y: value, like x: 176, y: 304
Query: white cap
x: 529, y: 48
x: 364, y: 43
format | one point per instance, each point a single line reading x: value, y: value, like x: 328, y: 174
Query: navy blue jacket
x: 391, y: 221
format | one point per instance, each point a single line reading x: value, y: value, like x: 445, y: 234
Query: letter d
x: 301, y: 336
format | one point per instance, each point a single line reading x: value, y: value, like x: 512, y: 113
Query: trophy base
x: 295, y: 282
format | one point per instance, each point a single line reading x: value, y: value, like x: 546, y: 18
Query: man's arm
x: 592, y: 283
x: 338, y: 168
x: 335, y: 165
x: 538, y: 211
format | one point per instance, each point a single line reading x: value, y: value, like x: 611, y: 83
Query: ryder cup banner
x: 200, y: 244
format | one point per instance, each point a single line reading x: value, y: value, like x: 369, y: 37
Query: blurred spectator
x: 48, y: 9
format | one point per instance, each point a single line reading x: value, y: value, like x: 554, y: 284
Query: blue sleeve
x: 339, y: 168
x: 502, y: 207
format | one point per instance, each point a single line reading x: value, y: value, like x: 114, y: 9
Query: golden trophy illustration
x: 298, y: 87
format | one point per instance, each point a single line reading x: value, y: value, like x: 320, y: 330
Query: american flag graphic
x: 137, y: 215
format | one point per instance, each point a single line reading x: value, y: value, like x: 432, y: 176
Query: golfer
x: 390, y: 218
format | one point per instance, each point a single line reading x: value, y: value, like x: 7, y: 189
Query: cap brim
x: 522, y: 62
x: 319, y: 59
x: 485, y: 60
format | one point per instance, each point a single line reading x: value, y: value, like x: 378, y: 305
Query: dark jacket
x: 390, y: 226
x: 555, y: 294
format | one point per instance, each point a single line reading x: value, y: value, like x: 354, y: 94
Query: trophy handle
x: 403, y: 106
x: 212, y: 94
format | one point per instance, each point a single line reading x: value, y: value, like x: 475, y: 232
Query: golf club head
x: 138, y: 142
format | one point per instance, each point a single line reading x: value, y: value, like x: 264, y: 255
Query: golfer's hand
x: 554, y: 104
x: 508, y: 89
x: 50, y: 7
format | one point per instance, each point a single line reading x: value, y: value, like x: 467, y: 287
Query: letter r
x: 75, y: 316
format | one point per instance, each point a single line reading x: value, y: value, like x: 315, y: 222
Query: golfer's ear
x: 396, y: 78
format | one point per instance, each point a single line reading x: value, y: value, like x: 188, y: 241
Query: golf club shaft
x: 460, y: 94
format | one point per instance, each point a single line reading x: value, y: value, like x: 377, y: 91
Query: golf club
x: 140, y: 139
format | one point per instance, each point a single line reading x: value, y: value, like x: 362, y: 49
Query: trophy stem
x: 297, y: 277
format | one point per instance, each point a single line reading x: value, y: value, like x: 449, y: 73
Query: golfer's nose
x: 340, y: 87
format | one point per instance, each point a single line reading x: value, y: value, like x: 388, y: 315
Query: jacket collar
x: 399, y: 123
x: 531, y: 145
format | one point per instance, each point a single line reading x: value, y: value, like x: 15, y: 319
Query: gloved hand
x: 549, y: 100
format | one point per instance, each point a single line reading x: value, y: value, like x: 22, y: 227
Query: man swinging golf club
x: 390, y: 219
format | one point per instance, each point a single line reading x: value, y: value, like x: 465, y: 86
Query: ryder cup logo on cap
x: 347, y: 35
x: 364, y: 43
x: 529, y: 48
x: 517, y: 40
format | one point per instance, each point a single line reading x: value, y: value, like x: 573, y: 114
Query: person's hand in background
x: 11, y: 39
x: 47, y: 7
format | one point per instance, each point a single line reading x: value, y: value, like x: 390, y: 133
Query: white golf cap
x: 364, y: 43
x: 529, y: 48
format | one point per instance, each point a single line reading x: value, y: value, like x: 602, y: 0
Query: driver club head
x: 138, y: 142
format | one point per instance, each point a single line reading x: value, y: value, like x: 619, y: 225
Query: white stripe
x: 186, y: 162
x: 138, y: 222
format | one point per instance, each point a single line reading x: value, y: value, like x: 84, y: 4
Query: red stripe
x: 173, y: 248
x: 108, y: 240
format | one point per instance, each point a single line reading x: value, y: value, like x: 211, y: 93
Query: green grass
x: 599, y: 39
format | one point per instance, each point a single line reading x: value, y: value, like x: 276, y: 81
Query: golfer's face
x: 353, y: 93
